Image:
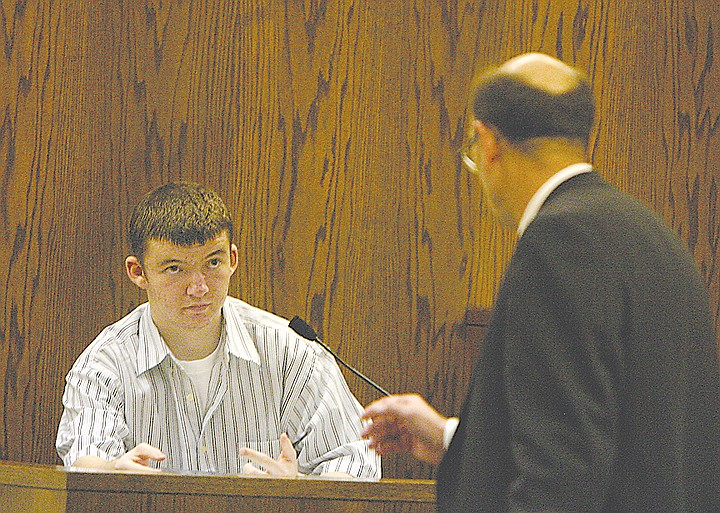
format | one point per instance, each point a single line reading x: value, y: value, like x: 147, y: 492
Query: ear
x: 233, y: 258
x: 134, y: 270
x: 488, y: 141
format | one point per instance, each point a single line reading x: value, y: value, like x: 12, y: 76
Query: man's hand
x: 137, y: 459
x: 405, y: 423
x: 285, y: 465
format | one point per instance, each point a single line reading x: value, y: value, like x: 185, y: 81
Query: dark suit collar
x: 545, y: 191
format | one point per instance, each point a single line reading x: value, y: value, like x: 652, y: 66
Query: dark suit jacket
x: 597, y: 388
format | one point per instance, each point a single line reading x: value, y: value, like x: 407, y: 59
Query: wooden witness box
x: 48, y: 489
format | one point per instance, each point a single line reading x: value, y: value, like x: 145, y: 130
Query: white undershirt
x: 199, y: 372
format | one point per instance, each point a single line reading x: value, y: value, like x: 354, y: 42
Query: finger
x: 147, y: 459
x: 376, y: 408
x: 385, y: 437
x: 145, y: 451
x: 258, y: 457
x: 385, y: 448
x: 374, y: 430
x: 287, y: 451
x: 129, y: 464
x: 394, y: 408
x: 391, y: 444
x: 271, y: 466
x: 381, y: 428
x: 251, y: 470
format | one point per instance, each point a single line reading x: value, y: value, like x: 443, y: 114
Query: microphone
x: 303, y: 329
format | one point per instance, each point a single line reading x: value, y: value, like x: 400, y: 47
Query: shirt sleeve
x: 449, y: 429
x: 92, y: 422
x: 330, y: 416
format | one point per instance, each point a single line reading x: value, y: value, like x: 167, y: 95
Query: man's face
x: 484, y: 162
x: 186, y: 285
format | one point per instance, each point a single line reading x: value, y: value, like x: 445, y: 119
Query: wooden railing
x: 35, y: 488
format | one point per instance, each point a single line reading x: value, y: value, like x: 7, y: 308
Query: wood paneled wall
x: 331, y: 128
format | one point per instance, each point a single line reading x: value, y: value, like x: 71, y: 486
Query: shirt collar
x: 153, y: 349
x: 240, y: 343
x: 533, y: 206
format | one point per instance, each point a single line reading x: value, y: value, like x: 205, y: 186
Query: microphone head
x: 302, y: 328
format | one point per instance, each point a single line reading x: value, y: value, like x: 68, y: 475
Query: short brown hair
x: 182, y: 213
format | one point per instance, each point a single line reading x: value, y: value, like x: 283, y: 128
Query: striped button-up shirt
x: 126, y: 388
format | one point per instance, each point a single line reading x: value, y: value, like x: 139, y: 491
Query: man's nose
x: 197, y: 286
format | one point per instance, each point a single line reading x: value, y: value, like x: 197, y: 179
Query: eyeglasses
x: 469, y: 163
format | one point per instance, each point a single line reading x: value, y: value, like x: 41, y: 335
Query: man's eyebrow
x: 169, y: 261
x: 173, y: 261
x: 215, y: 253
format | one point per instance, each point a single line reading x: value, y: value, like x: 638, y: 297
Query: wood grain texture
x: 331, y: 129
x: 27, y: 488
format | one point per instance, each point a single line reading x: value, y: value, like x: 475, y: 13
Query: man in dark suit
x: 597, y: 388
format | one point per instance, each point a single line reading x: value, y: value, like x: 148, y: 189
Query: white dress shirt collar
x: 240, y: 343
x: 154, y: 350
x: 533, y: 206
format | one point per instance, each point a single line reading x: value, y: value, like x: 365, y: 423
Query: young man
x: 194, y: 380
x: 597, y: 388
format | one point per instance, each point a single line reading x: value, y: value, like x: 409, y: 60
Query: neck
x: 193, y: 344
x: 535, y: 168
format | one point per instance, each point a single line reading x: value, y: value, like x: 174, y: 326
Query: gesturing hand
x: 139, y: 458
x: 405, y: 423
x: 285, y: 465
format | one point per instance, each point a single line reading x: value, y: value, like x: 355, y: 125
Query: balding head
x: 533, y: 96
x: 543, y: 72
